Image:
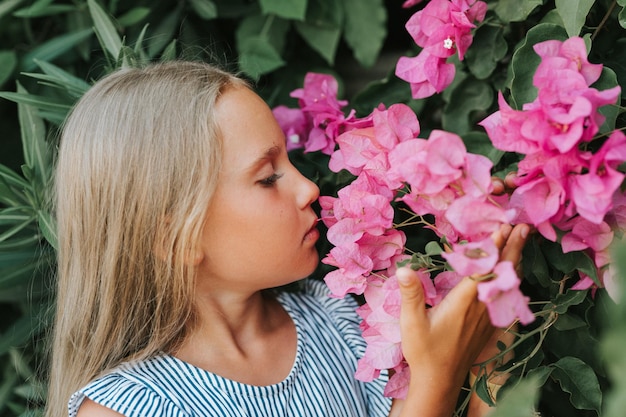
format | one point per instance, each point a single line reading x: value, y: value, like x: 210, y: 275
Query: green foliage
x: 52, y: 50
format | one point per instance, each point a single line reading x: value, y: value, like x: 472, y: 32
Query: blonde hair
x: 138, y: 163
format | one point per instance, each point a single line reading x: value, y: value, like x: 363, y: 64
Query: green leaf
x: 162, y: 35
x: 433, y: 248
x: 48, y: 228
x: 258, y: 57
x: 8, y: 62
x: 323, y: 39
x: 41, y: 9
x: 479, y: 143
x: 365, y: 28
x: 571, y: 261
x: 7, y: 5
x: 105, y: 29
x: 36, y: 152
x: 580, y: 381
x: 288, y: 9
x: 519, y: 400
x: 488, y: 48
x: 574, y: 13
x: 515, y: 10
x: 72, y: 84
x: 53, y: 48
x: 133, y: 16
x: 17, y: 335
x: 273, y: 28
x: 525, y: 62
x: 206, y: 9
x: 571, y: 298
x: 469, y: 96
x: 607, y: 80
x: 388, y: 91
x: 40, y: 102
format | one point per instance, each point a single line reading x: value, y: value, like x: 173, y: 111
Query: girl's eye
x: 271, y: 180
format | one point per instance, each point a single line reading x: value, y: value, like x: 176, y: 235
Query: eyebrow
x: 271, y: 153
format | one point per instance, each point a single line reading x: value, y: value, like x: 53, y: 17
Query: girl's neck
x: 241, y: 338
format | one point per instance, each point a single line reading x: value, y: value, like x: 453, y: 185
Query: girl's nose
x: 308, y: 191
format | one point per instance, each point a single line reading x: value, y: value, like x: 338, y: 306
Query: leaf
x: 53, y: 48
x: 571, y: 298
x: 133, y: 16
x: 7, y: 5
x: 40, y: 102
x: 525, y: 62
x: 288, y: 9
x: 571, y: 261
x: 163, y: 34
x: 580, y: 381
x: 515, y: 10
x: 258, y: 57
x: 519, y: 400
x: 36, y: 152
x: 365, y: 28
x: 479, y: 143
x: 49, y: 10
x: 48, y: 228
x: 72, y: 84
x: 323, y: 39
x: 107, y: 34
x: 273, y: 28
x: 206, y: 9
x: 488, y: 48
x: 8, y: 62
x: 322, y: 28
x: 607, y: 80
x: 469, y: 96
x: 574, y: 14
x: 388, y: 91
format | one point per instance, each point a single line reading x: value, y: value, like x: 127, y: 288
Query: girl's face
x: 260, y: 231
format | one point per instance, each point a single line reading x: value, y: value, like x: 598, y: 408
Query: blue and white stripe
x: 321, y: 382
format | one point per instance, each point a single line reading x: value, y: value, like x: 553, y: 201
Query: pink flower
x: 319, y: 94
x: 476, y: 219
x: 503, y: 298
x: 427, y: 74
x: 585, y: 234
x: 473, y: 258
x: 293, y: 123
x: 593, y: 192
x: 573, y: 51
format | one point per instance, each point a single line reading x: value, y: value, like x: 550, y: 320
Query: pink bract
x: 503, y: 298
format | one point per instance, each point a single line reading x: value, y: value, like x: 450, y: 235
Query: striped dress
x: 320, y: 383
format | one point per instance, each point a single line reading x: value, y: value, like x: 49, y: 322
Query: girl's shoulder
x: 157, y: 386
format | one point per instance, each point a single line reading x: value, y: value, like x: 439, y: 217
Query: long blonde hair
x: 138, y: 163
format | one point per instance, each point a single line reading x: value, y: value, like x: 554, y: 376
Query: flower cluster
x: 568, y: 181
x: 436, y: 178
x: 319, y: 118
x: 442, y: 28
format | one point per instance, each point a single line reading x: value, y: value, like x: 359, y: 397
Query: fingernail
x: 524, y: 231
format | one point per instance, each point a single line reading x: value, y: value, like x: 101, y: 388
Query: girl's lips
x: 313, y: 234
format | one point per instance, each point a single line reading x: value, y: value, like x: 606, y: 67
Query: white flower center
x: 448, y: 43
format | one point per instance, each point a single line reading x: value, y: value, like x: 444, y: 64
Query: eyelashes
x: 271, y: 180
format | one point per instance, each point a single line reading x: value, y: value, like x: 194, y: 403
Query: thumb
x: 412, y: 304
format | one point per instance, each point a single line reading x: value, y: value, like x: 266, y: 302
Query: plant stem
x: 604, y: 19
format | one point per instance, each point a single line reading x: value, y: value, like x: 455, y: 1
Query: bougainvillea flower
x: 585, y: 234
x: 473, y: 258
x: 319, y: 94
x: 503, y: 298
x: 476, y: 219
x: 539, y: 200
x: 575, y: 51
x: 293, y: 122
x: 504, y: 129
x: 426, y: 74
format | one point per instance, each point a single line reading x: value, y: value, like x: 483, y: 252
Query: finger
x: 500, y: 237
x: 498, y: 186
x: 509, y: 180
x: 515, y: 244
x: 412, y: 304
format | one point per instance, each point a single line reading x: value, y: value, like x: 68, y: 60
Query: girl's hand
x: 441, y: 343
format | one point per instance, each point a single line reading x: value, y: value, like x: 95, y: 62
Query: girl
x: 178, y: 211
